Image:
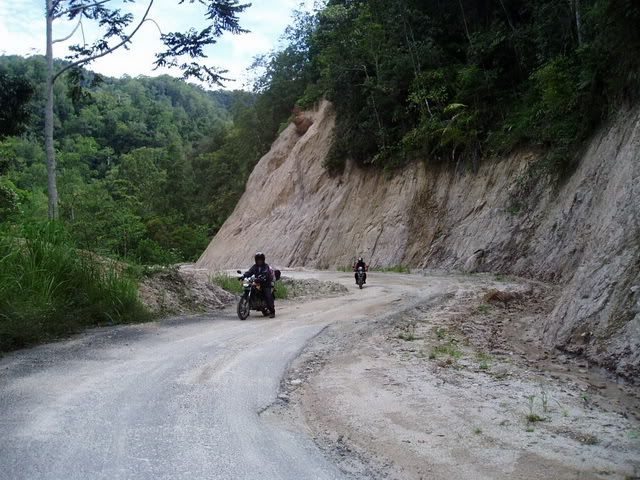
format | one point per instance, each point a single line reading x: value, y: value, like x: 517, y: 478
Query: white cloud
x: 22, y: 32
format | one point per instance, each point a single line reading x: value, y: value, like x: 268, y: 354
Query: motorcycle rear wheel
x: 243, y: 308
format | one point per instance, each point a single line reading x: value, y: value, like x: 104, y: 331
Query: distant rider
x: 262, y: 271
x: 360, y: 263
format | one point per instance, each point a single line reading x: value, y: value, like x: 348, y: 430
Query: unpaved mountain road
x: 177, y: 399
x: 193, y: 398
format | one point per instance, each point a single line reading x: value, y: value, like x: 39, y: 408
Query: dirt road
x: 192, y: 398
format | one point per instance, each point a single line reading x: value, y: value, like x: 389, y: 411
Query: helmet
x: 360, y: 259
x: 259, y: 256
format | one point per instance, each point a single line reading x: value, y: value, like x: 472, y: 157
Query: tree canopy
x: 149, y: 168
x: 455, y: 81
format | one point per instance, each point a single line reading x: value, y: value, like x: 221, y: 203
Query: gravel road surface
x: 177, y: 399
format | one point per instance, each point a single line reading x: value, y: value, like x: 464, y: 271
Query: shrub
x: 149, y: 252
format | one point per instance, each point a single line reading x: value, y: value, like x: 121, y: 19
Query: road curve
x: 177, y: 399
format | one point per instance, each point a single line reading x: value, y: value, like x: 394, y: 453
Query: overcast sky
x: 22, y: 31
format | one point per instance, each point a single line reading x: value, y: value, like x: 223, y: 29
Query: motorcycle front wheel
x: 243, y: 308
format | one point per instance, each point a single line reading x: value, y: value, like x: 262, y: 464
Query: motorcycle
x: 360, y: 276
x: 252, y: 297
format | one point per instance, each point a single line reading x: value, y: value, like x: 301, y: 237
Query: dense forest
x: 147, y: 166
x: 150, y: 168
x: 458, y: 81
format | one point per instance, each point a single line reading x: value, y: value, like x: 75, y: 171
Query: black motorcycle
x: 252, y: 297
x: 360, y: 276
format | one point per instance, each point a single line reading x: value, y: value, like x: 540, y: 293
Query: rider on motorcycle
x: 360, y: 263
x: 263, y: 272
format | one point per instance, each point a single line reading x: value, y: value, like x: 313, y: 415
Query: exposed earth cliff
x: 583, y: 235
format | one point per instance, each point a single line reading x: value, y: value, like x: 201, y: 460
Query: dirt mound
x: 182, y: 290
x: 309, y: 287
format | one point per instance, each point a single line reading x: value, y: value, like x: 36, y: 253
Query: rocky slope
x: 583, y: 235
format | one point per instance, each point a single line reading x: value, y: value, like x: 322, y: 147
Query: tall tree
x: 15, y: 94
x: 182, y: 50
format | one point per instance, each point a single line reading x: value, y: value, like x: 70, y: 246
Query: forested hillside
x: 456, y: 81
x: 149, y: 168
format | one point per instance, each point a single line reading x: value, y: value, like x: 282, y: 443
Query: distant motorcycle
x: 360, y: 276
x: 252, y: 297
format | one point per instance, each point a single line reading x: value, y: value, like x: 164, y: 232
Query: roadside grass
x: 49, y: 289
x: 281, y: 292
x: 227, y: 282
x: 230, y: 283
x: 532, y: 416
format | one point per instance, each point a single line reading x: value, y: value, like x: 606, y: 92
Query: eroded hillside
x: 583, y: 235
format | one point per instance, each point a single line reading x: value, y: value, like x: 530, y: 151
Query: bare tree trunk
x: 48, y: 120
x: 578, y: 11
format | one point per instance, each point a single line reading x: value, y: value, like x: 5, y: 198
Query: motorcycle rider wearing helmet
x: 262, y: 271
x: 360, y: 263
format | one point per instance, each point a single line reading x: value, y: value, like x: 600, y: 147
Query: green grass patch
x: 227, y: 282
x: 449, y: 349
x: 281, y: 292
x: 534, y: 418
x: 48, y: 288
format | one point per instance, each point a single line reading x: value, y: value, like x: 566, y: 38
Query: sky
x: 22, y: 32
